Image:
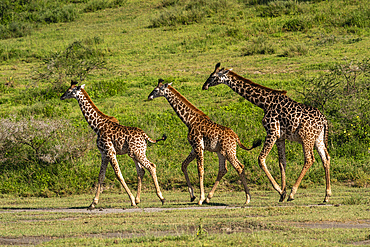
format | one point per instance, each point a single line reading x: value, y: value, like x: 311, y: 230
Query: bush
x: 74, y: 63
x: 42, y: 142
x: 343, y: 96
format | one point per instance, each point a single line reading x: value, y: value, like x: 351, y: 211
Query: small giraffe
x: 115, y: 139
x: 204, y: 134
x: 284, y: 119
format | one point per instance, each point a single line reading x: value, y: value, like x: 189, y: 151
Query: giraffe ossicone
x: 204, y: 134
x: 115, y: 139
x: 284, y: 119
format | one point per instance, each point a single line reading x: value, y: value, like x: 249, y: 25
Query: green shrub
x: 41, y: 142
x: 342, y: 95
x: 74, y: 63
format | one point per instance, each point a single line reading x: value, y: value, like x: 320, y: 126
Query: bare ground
x: 29, y: 240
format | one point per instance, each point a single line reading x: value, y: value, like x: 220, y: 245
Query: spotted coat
x: 203, y: 134
x: 115, y: 139
x: 284, y: 119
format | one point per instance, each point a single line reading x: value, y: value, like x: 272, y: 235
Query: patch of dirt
x: 328, y: 224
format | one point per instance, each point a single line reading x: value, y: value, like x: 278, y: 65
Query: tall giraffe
x: 115, y: 139
x: 204, y: 134
x: 284, y: 119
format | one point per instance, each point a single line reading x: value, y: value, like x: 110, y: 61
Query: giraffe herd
x: 284, y: 119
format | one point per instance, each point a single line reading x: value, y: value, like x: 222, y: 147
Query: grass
x: 263, y: 222
x: 307, y: 40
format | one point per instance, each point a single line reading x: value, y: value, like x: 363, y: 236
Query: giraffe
x: 115, y: 139
x: 284, y: 119
x: 204, y: 134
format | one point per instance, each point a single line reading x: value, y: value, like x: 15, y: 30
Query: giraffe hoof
x: 282, y: 197
x: 290, y: 199
x: 192, y: 198
x: 163, y: 201
x: 91, y: 207
x: 207, y: 200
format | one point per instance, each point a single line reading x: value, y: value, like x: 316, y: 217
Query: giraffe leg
x: 325, y: 158
x: 308, y: 161
x: 117, y: 171
x: 140, y: 175
x: 222, y: 170
x: 239, y: 167
x: 282, y: 164
x: 269, y: 143
x: 103, y: 168
x: 141, y: 158
x: 184, y: 168
x: 200, y: 163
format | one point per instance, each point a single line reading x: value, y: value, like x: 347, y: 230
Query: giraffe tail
x: 164, y: 137
x: 256, y: 143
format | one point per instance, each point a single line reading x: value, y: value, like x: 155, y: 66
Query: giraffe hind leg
x: 103, y: 168
x: 222, y: 170
x: 308, y: 161
x: 184, y: 168
x: 141, y: 158
x: 140, y: 174
x: 239, y: 167
x: 325, y: 158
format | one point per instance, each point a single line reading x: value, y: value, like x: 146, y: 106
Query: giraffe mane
x: 113, y: 119
x: 187, y: 102
x: 255, y: 84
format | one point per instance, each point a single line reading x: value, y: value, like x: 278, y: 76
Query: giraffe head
x: 217, y: 77
x: 159, y: 90
x: 72, y: 91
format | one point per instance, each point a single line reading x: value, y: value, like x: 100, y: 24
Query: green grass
x: 263, y: 222
x: 301, y: 40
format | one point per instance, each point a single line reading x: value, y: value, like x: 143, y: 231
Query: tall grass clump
x: 187, y: 12
x: 279, y: 8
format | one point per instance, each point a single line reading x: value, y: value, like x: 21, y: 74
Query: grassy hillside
x: 317, y: 51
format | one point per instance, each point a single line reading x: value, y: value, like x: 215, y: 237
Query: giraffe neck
x: 94, y: 117
x: 186, y: 111
x: 257, y: 94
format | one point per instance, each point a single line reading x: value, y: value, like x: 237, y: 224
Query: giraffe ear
x: 217, y: 66
x: 83, y: 86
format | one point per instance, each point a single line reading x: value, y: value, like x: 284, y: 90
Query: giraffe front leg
x: 103, y: 168
x: 184, y: 168
x: 269, y: 143
x: 282, y: 164
x: 200, y: 163
x: 222, y: 170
